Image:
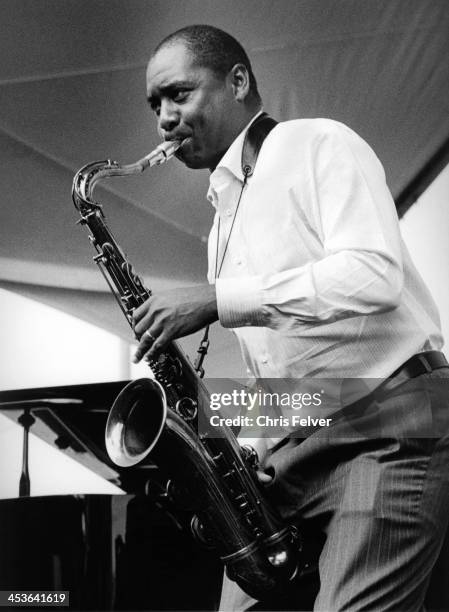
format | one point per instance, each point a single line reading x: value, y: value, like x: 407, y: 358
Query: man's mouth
x: 179, y: 137
x: 184, y: 142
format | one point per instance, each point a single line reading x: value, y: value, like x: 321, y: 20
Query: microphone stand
x: 26, y: 420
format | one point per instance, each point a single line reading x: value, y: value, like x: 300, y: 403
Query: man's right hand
x: 260, y: 446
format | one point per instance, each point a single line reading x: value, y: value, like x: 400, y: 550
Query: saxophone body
x: 166, y: 417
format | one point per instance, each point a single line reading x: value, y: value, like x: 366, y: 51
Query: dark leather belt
x: 422, y: 363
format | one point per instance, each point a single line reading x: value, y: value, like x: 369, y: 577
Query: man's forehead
x: 174, y: 62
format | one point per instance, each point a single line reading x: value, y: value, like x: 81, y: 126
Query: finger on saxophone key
x: 146, y: 342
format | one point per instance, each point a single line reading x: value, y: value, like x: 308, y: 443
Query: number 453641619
x: 34, y: 598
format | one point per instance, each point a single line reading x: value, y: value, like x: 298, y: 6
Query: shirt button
x: 229, y: 212
x: 264, y: 360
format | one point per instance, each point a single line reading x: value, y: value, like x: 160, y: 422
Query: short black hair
x: 213, y: 48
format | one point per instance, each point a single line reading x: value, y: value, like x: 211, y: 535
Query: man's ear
x: 239, y: 78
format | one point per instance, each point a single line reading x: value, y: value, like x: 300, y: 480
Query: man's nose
x: 168, y: 117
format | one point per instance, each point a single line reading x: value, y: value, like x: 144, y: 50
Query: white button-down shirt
x: 316, y: 280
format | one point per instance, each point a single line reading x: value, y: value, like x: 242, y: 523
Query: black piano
x: 132, y: 551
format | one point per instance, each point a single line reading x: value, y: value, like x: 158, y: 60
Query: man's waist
x: 421, y: 363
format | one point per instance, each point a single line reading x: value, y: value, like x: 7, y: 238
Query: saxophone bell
x: 135, y: 422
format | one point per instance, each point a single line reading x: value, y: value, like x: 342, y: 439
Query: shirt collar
x: 231, y: 161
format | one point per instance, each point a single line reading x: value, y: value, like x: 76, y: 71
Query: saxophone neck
x: 88, y: 176
x: 84, y: 182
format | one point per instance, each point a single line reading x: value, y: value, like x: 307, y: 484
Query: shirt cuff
x: 239, y: 301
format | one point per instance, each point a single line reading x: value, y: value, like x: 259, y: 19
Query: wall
x: 425, y: 228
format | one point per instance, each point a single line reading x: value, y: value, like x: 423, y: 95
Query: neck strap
x: 255, y: 135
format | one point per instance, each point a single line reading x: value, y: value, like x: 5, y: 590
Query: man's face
x: 191, y: 102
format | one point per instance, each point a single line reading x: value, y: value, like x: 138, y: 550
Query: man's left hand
x: 172, y: 314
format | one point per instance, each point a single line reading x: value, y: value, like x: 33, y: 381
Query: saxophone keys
x: 187, y: 408
x: 200, y: 533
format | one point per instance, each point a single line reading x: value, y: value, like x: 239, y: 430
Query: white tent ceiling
x: 72, y: 91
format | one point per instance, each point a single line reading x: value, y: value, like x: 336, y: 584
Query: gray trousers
x: 375, y: 486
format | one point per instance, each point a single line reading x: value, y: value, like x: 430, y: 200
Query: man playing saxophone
x: 307, y: 266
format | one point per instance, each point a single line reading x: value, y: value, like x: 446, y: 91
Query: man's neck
x: 243, y: 125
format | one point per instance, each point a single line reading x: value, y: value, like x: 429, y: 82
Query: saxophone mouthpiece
x: 162, y: 153
x: 170, y: 147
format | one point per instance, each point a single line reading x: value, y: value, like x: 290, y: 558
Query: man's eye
x: 155, y: 107
x: 180, y: 96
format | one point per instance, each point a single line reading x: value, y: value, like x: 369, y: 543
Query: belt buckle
x: 425, y: 363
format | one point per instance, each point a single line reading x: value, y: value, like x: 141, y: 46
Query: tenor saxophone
x: 162, y: 415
